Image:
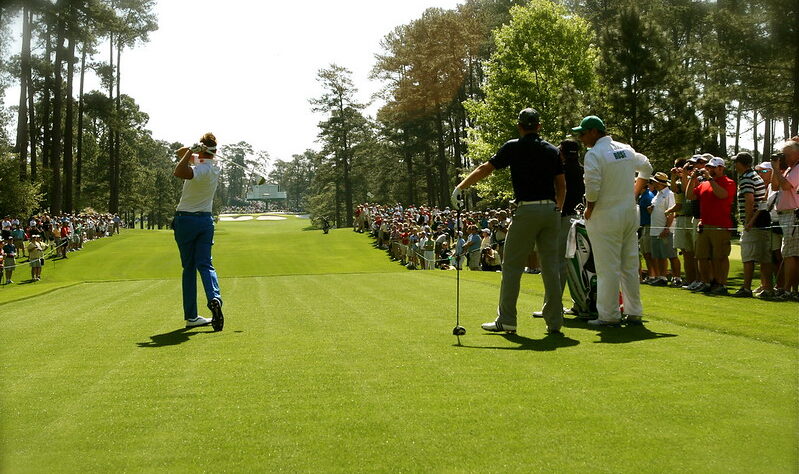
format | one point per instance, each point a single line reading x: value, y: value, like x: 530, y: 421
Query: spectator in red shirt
x: 715, y: 196
x: 64, y: 240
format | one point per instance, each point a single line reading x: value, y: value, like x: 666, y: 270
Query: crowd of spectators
x: 29, y: 242
x: 694, y: 211
x: 427, y: 237
x: 689, y: 217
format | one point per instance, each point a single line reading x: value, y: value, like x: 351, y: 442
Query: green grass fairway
x: 334, y: 359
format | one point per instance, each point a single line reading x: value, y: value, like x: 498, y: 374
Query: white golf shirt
x: 613, y: 165
x: 198, y: 192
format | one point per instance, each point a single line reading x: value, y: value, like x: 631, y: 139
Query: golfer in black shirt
x: 539, y: 188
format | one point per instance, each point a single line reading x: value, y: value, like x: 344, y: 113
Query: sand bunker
x: 235, y: 218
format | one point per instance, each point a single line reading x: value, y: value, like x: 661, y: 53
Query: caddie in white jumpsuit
x: 614, y: 176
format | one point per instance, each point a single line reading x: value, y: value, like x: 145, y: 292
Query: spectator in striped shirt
x: 755, y: 238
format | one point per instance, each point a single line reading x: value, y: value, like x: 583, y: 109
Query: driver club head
x: 459, y: 331
x: 261, y: 181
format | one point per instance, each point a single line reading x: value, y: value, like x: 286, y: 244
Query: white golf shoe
x: 496, y: 326
x: 198, y: 321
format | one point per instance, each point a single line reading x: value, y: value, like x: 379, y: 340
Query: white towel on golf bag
x: 571, y: 240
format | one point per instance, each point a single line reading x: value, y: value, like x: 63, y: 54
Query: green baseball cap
x: 590, y: 122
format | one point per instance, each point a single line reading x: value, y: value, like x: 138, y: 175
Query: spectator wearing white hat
x: 755, y: 220
x: 661, y: 231
x: 765, y: 170
x: 715, y: 196
x: 787, y: 207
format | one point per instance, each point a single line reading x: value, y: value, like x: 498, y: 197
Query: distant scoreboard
x: 266, y: 192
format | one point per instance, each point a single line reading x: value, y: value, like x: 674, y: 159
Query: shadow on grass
x: 617, y: 335
x: 548, y: 343
x: 173, y: 338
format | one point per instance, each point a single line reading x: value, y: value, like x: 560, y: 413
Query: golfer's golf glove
x: 457, y: 198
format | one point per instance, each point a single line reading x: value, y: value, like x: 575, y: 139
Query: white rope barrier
x: 48, y: 253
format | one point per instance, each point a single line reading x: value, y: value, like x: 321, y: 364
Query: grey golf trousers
x: 539, y: 225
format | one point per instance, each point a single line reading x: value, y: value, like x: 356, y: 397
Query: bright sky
x: 246, y: 69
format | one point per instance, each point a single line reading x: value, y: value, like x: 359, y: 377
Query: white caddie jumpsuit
x: 610, y: 172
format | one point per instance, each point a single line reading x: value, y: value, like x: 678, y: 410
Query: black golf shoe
x: 217, y: 319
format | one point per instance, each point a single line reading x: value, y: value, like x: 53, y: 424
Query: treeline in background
x: 75, y: 149
x: 670, y: 77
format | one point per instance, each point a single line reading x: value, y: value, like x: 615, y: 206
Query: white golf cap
x: 765, y: 166
x: 716, y: 161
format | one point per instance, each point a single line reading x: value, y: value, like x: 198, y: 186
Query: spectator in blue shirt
x: 644, y: 241
x: 472, y: 248
x: 10, y: 262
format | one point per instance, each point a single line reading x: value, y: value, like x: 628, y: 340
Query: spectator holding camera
x: 489, y: 260
x: 661, y: 231
x: 755, y: 236
x: 787, y: 206
x: 765, y: 171
x: 683, y: 214
x: 36, y: 248
x: 715, y: 194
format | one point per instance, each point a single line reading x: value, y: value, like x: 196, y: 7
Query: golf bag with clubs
x: 580, y: 271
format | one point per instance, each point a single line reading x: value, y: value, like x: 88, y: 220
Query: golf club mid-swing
x: 199, y: 147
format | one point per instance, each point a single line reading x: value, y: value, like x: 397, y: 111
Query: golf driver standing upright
x: 194, y: 230
x: 539, y: 188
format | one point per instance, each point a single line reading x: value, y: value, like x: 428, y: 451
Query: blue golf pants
x: 194, y: 235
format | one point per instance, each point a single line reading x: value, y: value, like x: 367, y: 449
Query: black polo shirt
x: 575, y: 187
x: 534, y: 163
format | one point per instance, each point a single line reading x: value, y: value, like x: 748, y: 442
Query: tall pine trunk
x: 112, y: 189
x: 767, y: 136
x: 69, y: 204
x: 56, y: 197
x: 738, y: 128
x: 48, y: 87
x: 429, y: 174
x: 22, y: 116
x: 32, y: 129
x: 441, y: 162
x: 754, y: 135
x: 408, y: 157
x: 79, y: 158
x: 117, y: 135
